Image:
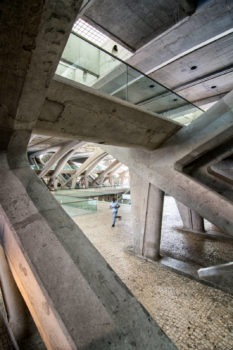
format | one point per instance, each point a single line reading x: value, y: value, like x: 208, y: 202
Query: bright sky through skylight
x: 87, y: 31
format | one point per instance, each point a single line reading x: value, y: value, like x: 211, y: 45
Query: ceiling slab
x: 215, y: 88
x: 206, y: 61
x: 120, y: 19
x: 209, y: 21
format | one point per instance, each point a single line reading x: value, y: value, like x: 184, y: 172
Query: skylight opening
x: 85, y: 30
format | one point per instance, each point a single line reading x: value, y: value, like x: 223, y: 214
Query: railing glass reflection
x: 89, y: 65
x: 75, y: 206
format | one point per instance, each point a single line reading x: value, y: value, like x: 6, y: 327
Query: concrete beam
x: 67, y: 147
x: 186, y: 36
x: 78, y: 112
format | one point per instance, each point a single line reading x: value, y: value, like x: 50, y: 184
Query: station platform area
x: 195, y: 316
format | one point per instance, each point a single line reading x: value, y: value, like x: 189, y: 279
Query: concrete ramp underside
x: 78, y: 112
x: 75, y: 298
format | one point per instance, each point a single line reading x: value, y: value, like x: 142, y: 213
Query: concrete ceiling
x: 191, y: 53
x: 150, y: 18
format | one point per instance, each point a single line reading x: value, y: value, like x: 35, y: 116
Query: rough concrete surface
x: 76, y: 111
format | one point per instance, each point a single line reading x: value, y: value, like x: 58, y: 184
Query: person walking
x: 114, y: 206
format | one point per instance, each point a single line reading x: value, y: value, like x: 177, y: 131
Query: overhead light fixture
x: 84, y: 29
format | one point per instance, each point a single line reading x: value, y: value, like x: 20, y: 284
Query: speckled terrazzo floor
x: 193, y: 315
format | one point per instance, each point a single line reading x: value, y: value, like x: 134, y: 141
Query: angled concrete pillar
x: 61, y: 158
x: 63, y: 150
x: 192, y: 221
x: 86, y: 166
x: 105, y: 173
x: 53, y: 181
x: 86, y: 182
x: 123, y: 175
x: 147, y: 208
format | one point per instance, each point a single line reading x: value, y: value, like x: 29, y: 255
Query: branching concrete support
x: 91, y: 168
x: 192, y: 221
x: 110, y: 169
x: 88, y: 164
x: 147, y: 207
x: 44, y: 151
x: 123, y: 176
x: 58, y: 155
x: 16, y: 311
x: 53, y: 179
x: 62, y: 158
x: 110, y: 174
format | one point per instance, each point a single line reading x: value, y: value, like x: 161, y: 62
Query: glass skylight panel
x: 87, y: 31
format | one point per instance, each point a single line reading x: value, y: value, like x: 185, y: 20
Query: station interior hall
x: 127, y: 105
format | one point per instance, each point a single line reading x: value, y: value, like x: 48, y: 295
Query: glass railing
x: 87, y: 64
x: 75, y: 206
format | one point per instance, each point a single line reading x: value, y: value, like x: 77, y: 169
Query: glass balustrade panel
x: 89, y: 65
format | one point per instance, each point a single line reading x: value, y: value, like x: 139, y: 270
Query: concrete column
x: 110, y: 179
x: 86, y: 182
x: 192, y: 221
x: 153, y: 223
x: 147, y: 208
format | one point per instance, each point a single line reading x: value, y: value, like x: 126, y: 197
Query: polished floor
x: 193, y: 315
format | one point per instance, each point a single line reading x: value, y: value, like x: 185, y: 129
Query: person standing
x: 114, y: 206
